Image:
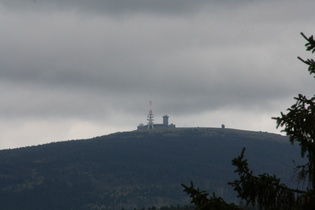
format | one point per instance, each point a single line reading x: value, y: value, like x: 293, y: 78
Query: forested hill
x: 136, y: 169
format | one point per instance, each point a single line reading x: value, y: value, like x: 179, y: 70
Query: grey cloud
x: 191, y: 58
x: 121, y: 7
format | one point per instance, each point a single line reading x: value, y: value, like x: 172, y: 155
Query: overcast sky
x: 76, y: 69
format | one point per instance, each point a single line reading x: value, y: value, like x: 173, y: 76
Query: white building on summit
x: 150, y: 119
x: 151, y: 125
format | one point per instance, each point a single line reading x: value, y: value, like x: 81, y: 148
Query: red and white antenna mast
x: 150, y: 117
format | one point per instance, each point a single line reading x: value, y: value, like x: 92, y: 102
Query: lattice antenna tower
x: 150, y: 117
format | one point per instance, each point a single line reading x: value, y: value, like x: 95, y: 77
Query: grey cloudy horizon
x: 79, y: 69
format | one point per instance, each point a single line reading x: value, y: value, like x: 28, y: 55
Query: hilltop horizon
x: 141, y: 130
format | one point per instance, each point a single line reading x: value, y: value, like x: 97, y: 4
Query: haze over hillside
x: 137, y: 168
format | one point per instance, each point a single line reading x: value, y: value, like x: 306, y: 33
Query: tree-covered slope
x: 136, y: 169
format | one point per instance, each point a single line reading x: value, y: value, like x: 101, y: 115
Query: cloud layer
x: 77, y: 69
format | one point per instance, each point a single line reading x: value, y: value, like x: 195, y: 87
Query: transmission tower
x: 150, y: 117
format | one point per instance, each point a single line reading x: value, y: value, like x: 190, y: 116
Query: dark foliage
x: 310, y: 46
x: 203, y: 202
x: 299, y: 125
x: 264, y: 189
